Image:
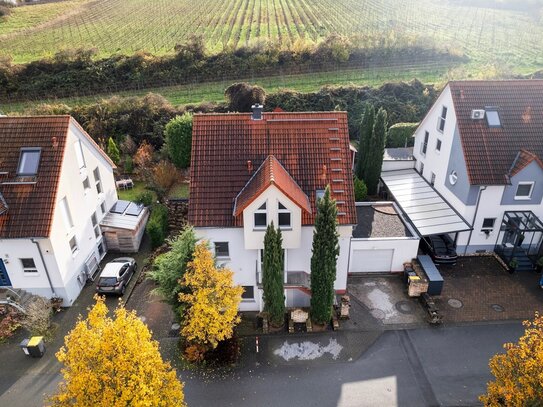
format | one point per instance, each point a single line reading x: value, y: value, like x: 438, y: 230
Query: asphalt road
x: 423, y: 367
x: 445, y: 366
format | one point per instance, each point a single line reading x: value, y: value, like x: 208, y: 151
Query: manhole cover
x: 405, y: 307
x: 497, y: 307
x: 377, y: 313
x: 454, y: 303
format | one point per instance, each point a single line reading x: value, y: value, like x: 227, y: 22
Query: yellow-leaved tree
x: 211, y: 311
x: 114, y: 362
x: 518, y: 371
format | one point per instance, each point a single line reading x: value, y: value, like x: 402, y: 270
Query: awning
x: 425, y: 208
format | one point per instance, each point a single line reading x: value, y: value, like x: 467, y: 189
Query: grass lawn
x: 132, y: 194
x: 179, y: 191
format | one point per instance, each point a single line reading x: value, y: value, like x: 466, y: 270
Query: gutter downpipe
x: 33, y: 240
x: 481, y: 189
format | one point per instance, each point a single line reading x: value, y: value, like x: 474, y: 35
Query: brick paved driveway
x: 487, y: 292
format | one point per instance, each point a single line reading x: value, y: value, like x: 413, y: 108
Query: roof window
x: 29, y: 161
x: 493, y: 118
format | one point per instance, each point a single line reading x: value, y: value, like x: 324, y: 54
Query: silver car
x: 116, y: 275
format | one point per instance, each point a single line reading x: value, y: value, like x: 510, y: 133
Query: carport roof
x: 425, y: 208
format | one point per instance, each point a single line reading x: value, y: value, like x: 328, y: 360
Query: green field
x: 214, y: 91
x: 489, y: 34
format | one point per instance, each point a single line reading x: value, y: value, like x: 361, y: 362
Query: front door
x: 4, y: 278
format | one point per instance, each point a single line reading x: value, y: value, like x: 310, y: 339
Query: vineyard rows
x: 126, y: 26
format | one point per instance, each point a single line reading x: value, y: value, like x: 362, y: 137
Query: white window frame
x: 261, y: 211
x: 32, y: 270
x: 432, y: 179
x: 442, y: 119
x: 222, y: 256
x: 98, y: 181
x: 66, y: 214
x: 249, y: 299
x: 424, y: 145
x: 422, y: 168
x: 103, y: 208
x: 75, y: 248
x: 79, y: 155
x: 283, y: 211
x: 525, y: 197
x: 488, y: 228
x: 96, y: 225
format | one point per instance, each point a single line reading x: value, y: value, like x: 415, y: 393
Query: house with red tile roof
x: 251, y: 169
x: 56, y: 186
x: 481, y: 147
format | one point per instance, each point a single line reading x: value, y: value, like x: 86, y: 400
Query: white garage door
x: 371, y: 261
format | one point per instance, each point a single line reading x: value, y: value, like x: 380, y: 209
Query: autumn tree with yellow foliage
x: 211, y: 311
x: 518, y: 371
x: 114, y: 362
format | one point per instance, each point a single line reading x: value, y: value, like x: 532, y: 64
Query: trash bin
x: 34, y: 346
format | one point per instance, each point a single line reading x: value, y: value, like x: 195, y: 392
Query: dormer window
x: 284, y: 216
x: 29, y: 161
x: 261, y: 217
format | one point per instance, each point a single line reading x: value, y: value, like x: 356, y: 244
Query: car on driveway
x: 440, y: 247
x: 116, y: 275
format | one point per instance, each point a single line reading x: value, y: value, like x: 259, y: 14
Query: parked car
x: 116, y: 276
x: 440, y: 247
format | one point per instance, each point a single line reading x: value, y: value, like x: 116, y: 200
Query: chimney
x: 257, y: 112
x: 54, y: 142
x: 324, y: 171
x: 249, y: 166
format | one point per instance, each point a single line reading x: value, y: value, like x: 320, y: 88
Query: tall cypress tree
x: 377, y: 149
x: 324, y: 259
x: 272, y: 279
x: 366, y: 130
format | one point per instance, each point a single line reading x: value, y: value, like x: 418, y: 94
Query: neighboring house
x: 56, y: 185
x: 249, y: 170
x: 481, y: 147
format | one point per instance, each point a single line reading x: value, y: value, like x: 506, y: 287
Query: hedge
x: 157, y: 226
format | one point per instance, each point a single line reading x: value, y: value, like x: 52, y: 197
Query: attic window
x: 260, y: 217
x: 284, y: 216
x: 29, y: 161
x: 493, y: 118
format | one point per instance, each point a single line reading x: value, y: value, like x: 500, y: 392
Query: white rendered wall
x: 13, y: 250
x: 437, y: 161
x: 242, y: 262
x: 254, y: 237
x: 82, y: 204
x: 405, y: 249
x: 394, y: 165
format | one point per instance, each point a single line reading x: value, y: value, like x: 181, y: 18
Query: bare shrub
x: 37, y: 320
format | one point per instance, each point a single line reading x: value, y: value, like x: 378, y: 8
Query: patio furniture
x: 125, y: 183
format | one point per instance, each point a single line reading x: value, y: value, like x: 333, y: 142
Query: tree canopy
x: 170, y: 267
x: 273, y: 276
x: 324, y: 256
x: 113, y: 361
x: 178, y: 137
x: 241, y: 96
x: 519, y: 371
x: 212, y: 300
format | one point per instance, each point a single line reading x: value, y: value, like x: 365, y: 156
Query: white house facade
x: 270, y: 167
x: 480, y: 146
x: 56, y: 186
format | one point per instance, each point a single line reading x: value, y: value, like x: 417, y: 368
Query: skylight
x: 493, y: 118
x: 29, y: 161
